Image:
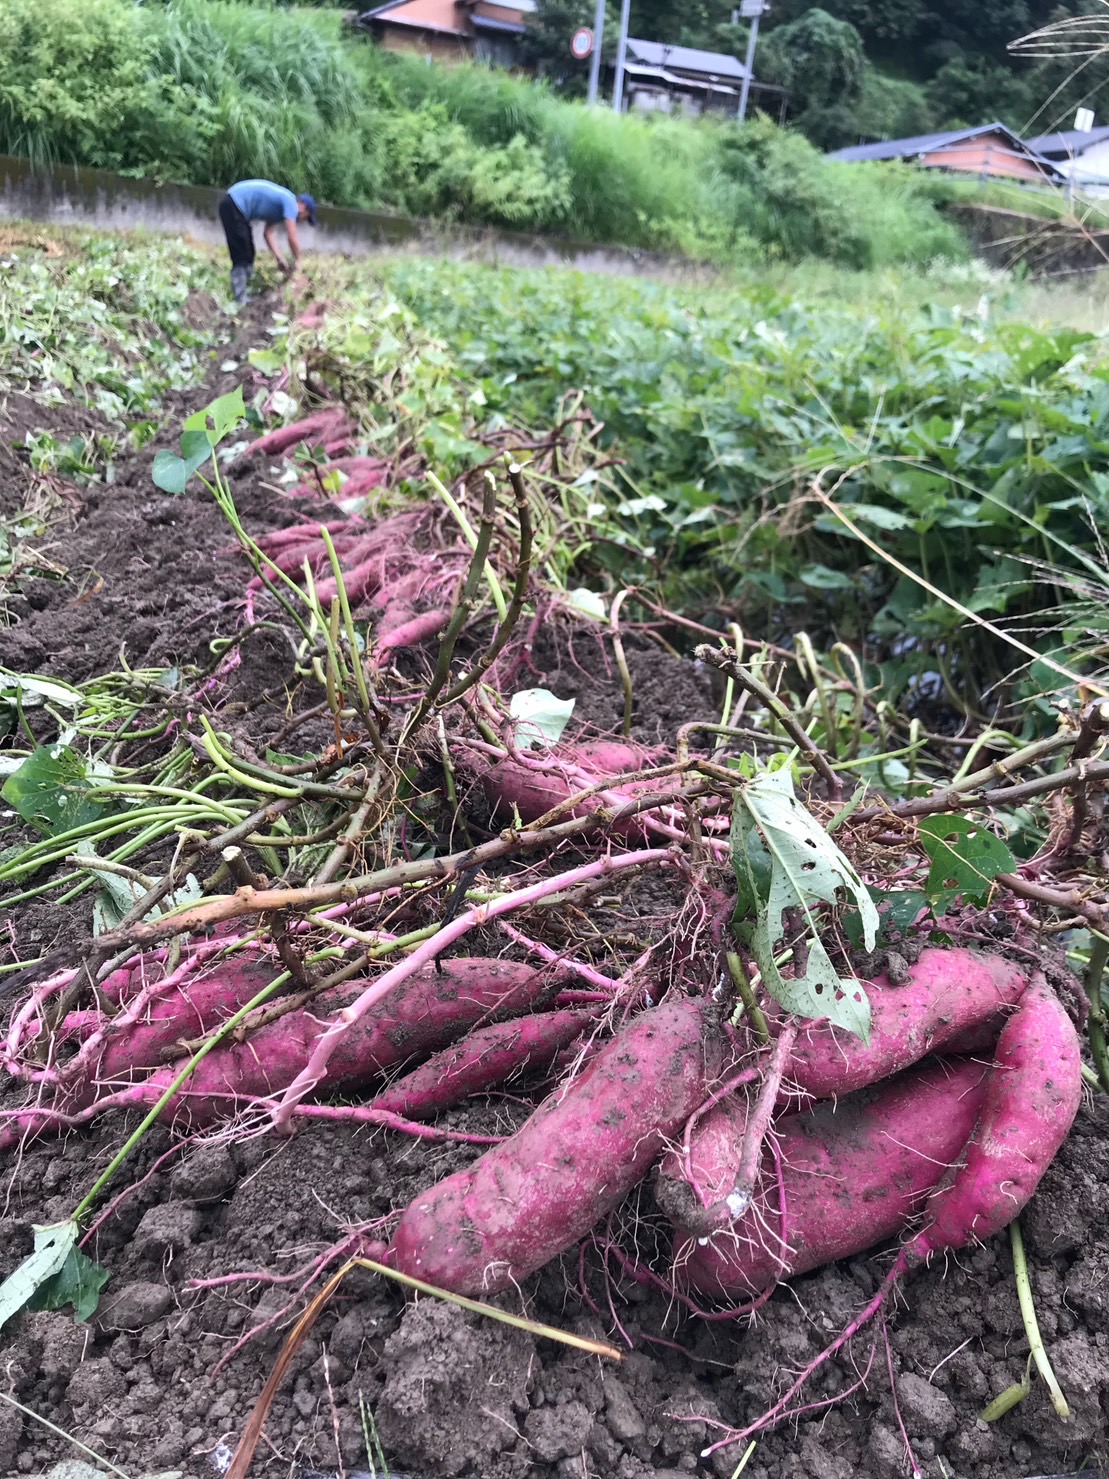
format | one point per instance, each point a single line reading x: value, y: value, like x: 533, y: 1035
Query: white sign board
x: 750, y: 10
x: 1084, y: 120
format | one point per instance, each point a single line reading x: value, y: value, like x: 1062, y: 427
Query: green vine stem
x: 1031, y: 1324
x: 1095, y: 1027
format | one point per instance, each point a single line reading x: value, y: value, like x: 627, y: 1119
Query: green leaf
x: 822, y: 578
x: 171, y: 473
x: 224, y: 413
x: 49, y: 790
x: 78, y: 1282
x: 965, y: 857
x: 266, y: 361
x: 897, y: 910
x: 1008, y: 1399
x: 784, y: 860
x: 540, y: 716
x: 53, y: 1246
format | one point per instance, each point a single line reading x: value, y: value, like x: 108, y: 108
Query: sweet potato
x: 1033, y: 1094
x: 410, y: 633
x: 954, y: 1000
x: 854, y: 1173
x: 608, y: 757
x: 320, y: 427
x: 484, y: 1059
x: 526, y: 1200
x: 189, y: 1009
x: 423, y: 1014
x: 535, y: 788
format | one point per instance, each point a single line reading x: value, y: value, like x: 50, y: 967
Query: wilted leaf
x: 785, y: 860
x: 31, y: 692
x: 587, y: 603
x: 1008, y: 1399
x: 53, y: 1246
x: 78, y: 1282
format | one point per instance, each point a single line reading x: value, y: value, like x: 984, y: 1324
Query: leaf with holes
x: 225, y: 413
x: 784, y: 860
x: 965, y: 858
x: 51, y: 790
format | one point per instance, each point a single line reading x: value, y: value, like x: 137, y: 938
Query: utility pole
x: 753, y: 11
x: 621, y: 57
x: 595, y: 59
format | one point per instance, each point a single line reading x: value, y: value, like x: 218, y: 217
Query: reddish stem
x: 779, y: 1410
x: 424, y: 954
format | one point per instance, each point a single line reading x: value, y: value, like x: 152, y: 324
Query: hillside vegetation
x: 209, y: 91
x: 862, y: 69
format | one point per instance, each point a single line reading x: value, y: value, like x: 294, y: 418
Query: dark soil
x: 446, y: 1392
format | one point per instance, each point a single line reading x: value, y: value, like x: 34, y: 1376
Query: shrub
x: 77, y: 86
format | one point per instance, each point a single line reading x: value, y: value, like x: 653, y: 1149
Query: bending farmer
x: 261, y: 200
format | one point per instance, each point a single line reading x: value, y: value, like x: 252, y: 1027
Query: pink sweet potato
x: 855, y: 1173
x: 485, y: 1058
x: 423, y: 1014
x: 1033, y: 1094
x: 360, y: 581
x: 954, y: 1001
x: 352, y: 464
x: 534, y: 788
x: 320, y: 427
x: 526, y: 1200
x: 608, y: 757
x: 410, y: 633
x: 188, y: 1010
x: 304, y: 532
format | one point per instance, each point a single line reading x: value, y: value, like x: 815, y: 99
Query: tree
x: 887, y: 25
x: 963, y: 95
x: 821, y: 63
x: 692, y: 23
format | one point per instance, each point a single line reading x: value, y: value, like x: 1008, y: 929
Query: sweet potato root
x: 425, y: 1013
x: 483, y: 1060
x: 318, y: 429
x: 534, y: 788
x: 1034, y: 1090
x: 953, y: 1001
x: 526, y: 1200
x: 855, y: 1173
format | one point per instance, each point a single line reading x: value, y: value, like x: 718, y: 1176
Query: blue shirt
x: 262, y: 200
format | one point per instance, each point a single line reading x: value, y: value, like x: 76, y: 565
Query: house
x: 450, y: 30
x: 1082, y: 157
x: 661, y: 79
x: 991, y: 150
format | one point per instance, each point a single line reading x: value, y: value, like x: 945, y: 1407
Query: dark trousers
x: 240, y: 238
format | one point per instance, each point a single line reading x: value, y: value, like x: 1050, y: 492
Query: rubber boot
x: 239, y: 279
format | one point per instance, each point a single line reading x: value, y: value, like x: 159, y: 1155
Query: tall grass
x: 214, y: 90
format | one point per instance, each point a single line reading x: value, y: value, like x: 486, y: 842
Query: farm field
x: 640, y: 706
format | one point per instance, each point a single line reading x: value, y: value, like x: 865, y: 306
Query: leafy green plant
x: 970, y: 449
